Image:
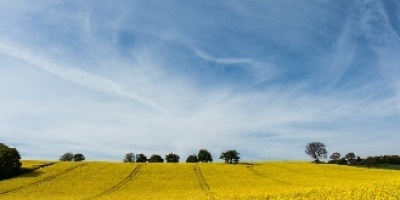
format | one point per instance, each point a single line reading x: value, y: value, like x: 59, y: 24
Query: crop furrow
x: 119, y: 185
x: 202, y: 181
x: 44, y: 180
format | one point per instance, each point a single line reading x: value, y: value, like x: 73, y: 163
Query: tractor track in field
x: 44, y: 180
x: 202, y: 181
x: 120, y: 184
x: 265, y: 176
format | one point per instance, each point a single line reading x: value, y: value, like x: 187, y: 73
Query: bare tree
x: 316, y: 150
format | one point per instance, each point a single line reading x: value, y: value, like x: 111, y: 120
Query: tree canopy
x: 155, y: 158
x: 230, y: 156
x: 129, y: 158
x: 351, y: 158
x: 335, y: 156
x: 192, y: 159
x: 67, y: 157
x: 79, y: 157
x: 204, y: 156
x: 316, y: 150
x: 172, y: 158
x: 10, y: 164
x: 141, y: 158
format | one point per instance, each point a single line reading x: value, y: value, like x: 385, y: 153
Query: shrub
x: 10, y: 164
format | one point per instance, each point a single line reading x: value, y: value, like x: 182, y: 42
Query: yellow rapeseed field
x: 269, y: 180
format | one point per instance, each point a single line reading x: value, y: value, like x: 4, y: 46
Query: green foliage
x: 192, y: 159
x: 342, y: 161
x: 79, y: 157
x: 141, y: 158
x: 10, y: 164
x: 381, y: 160
x: 335, y: 156
x: 204, y: 156
x: 67, y: 157
x: 129, y: 158
x: 316, y: 150
x: 155, y: 158
x: 172, y: 158
x: 230, y: 156
x: 351, y: 158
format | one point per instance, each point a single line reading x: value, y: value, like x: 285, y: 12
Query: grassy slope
x: 101, y: 180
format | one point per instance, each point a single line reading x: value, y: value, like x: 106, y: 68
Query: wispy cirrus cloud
x: 75, y: 75
x: 107, y: 79
x: 227, y: 61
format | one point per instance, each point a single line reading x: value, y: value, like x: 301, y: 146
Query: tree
x: 67, y: 157
x: 192, y: 159
x: 204, y: 156
x: 230, y: 156
x: 155, y: 158
x: 79, y: 157
x: 10, y: 164
x: 141, y: 158
x: 350, y: 157
x: 316, y: 150
x: 172, y: 158
x: 129, y: 158
x: 335, y: 157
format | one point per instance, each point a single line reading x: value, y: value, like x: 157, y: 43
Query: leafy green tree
x: 155, y: 158
x: 204, y: 156
x: 342, y: 161
x: 129, y: 158
x: 351, y: 158
x: 335, y: 157
x: 79, y: 157
x: 316, y: 150
x: 172, y: 158
x: 67, y: 157
x: 359, y: 160
x: 230, y: 156
x: 141, y: 158
x: 192, y: 159
x: 10, y: 164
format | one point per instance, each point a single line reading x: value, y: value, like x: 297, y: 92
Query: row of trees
x: 204, y: 156
x: 382, y: 160
x: 317, y: 151
x: 72, y: 157
x: 10, y: 164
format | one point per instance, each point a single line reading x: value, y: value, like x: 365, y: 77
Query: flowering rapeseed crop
x: 269, y: 180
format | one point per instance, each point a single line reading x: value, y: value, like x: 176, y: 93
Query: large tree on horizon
x: 155, y: 158
x: 129, y: 158
x: 335, y: 157
x: 10, y: 164
x: 141, y: 158
x: 79, y: 157
x: 230, y: 156
x: 204, y: 156
x: 317, y: 151
x: 172, y: 158
x: 69, y: 156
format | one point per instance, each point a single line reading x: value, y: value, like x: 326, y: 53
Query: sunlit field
x: 269, y: 180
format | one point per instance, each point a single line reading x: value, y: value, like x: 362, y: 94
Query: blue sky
x: 262, y: 77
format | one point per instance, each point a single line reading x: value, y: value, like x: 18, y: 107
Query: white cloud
x: 114, y: 102
x: 228, y: 61
x: 75, y: 75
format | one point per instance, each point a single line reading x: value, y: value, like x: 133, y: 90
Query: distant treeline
x: 317, y: 151
x: 370, y: 160
x: 204, y: 156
